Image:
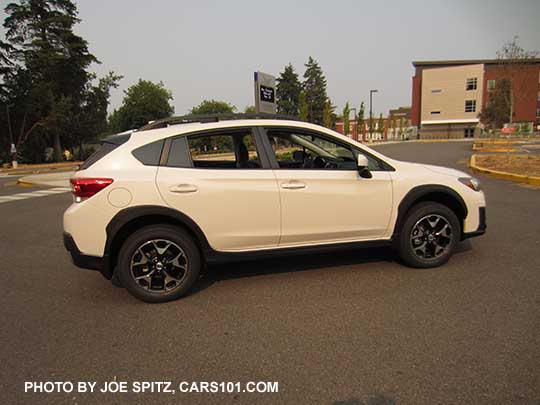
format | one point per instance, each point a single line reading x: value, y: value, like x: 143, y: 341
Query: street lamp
x: 371, y: 111
x: 350, y: 110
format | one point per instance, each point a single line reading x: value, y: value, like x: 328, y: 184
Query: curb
x: 518, y: 178
x: 42, y: 168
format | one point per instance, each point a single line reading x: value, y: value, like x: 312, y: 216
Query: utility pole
x: 371, y: 111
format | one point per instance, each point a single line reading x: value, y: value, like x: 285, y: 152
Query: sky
x: 209, y: 49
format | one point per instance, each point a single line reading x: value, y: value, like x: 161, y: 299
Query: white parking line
x: 33, y: 194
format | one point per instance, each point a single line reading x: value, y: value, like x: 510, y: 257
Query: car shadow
x: 299, y: 263
x: 289, y: 264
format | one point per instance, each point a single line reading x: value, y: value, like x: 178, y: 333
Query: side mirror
x: 362, y: 164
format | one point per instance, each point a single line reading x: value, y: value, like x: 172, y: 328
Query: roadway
x: 352, y: 328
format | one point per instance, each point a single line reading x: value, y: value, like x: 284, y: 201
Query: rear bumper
x: 482, y: 226
x: 81, y: 260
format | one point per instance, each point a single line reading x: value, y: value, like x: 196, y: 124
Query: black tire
x: 416, y: 251
x: 151, y: 284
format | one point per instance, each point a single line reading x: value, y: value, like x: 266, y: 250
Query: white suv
x: 152, y: 206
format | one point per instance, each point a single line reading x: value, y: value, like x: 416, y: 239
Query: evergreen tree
x: 303, y: 113
x: 380, y: 124
x: 288, y: 91
x: 360, y: 119
x: 346, y: 122
x: 329, y: 117
x: 43, y: 68
x: 314, y: 87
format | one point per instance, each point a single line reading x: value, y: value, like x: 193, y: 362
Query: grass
x: 527, y: 165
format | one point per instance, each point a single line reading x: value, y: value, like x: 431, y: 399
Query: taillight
x: 87, y: 187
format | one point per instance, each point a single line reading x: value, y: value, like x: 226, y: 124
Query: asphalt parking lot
x: 352, y: 328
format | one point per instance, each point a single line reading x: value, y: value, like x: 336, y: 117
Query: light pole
x: 371, y: 111
x: 354, y: 108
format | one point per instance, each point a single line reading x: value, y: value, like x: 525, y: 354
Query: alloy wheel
x: 431, y: 237
x: 159, y: 265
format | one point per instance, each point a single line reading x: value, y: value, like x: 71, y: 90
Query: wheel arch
x: 431, y: 192
x: 127, y: 221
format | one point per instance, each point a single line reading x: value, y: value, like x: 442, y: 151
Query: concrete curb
x: 57, y: 179
x: 518, y: 178
x: 42, y: 168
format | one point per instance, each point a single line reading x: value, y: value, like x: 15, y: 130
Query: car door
x: 222, y: 182
x: 323, y: 197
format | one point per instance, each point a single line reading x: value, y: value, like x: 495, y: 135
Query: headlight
x: 470, y: 182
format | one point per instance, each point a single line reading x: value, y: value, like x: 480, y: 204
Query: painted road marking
x: 33, y: 194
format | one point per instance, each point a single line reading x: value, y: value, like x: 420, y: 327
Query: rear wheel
x: 429, y: 235
x: 158, y: 263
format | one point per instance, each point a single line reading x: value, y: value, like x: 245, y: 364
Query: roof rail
x: 186, y: 119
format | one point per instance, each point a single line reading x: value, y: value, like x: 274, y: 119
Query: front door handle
x: 293, y: 185
x: 183, y: 188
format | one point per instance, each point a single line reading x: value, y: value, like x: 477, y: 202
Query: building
x: 448, y: 96
x: 397, y: 125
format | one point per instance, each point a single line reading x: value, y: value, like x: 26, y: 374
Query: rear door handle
x: 183, y: 188
x: 293, y: 185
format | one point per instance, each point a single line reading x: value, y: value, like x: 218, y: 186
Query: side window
x: 224, y: 151
x: 309, y: 151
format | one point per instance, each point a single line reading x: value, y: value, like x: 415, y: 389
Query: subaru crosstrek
x: 153, y: 206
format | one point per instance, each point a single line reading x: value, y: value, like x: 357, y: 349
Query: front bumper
x: 482, y: 226
x: 81, y: 260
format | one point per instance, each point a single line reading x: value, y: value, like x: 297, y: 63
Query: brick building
x: 448, y: 96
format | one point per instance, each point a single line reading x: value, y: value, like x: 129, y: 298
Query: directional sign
x: 265, y: 93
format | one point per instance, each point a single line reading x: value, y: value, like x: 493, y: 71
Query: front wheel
x: 158, y: 263
x: 429, y: 235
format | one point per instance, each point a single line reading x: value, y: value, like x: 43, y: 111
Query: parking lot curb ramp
x: 518, y: 178
x: 42, y: 168
x: 56, y: 179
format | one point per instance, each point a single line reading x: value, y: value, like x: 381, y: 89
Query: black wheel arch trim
x: 132, y: 214
x: 417, y: 193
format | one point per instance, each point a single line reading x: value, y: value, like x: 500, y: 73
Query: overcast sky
x: 210, y: 49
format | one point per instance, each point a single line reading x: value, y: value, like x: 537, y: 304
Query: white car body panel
x: 248, y: 209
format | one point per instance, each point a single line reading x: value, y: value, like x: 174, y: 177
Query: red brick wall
x: 416, y: 97
x: 525, y: 89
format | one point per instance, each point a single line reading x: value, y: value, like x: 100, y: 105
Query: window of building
x: 491, y: 85
x: 436, y: 91
x: 472, y: 83
x: 470, y: 105
x: 469, y: 133
x: 223, y: 151
x: 435, y: 112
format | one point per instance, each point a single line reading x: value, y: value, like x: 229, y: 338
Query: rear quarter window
x: 150, y: 154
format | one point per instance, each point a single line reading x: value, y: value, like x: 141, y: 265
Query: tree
x: 513, y: 63
x: 288, y: 91
x: 303, y: 113
x: 498, y: 107
x: 360, y: 119
x: 143, y: 102
x: 346, y: 122
x: 250, y: 109
x: 213, y: 107
x: 329, y: 118
x: 43, y: 67
x: 314, y: 87
x: 380, y: 124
